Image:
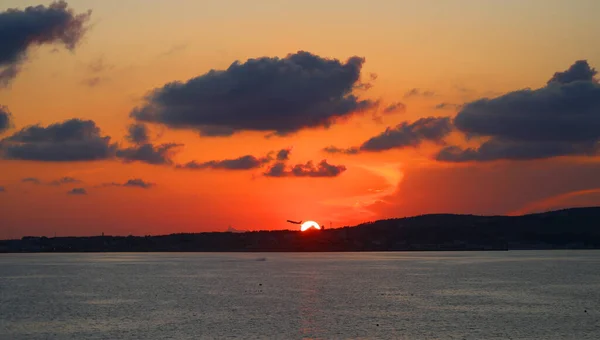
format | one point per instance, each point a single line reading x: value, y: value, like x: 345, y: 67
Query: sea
x: 385, y: 295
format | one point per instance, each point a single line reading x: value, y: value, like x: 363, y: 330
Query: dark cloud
x: 323, y: 169
x: 2, y: 189
x: 394, y: 108
x: 448, y: 106
x: 31, y: 180
x: 22, y: 29
x: 241, y: 163
x: 77, y: 191
x: 433, y: 129
x: 419, y: 93
x: 348, y: 151
x: 138, y: 183
x: 71, y: 140
x: 132, y: 183
x: 559, y: 119
x: 65, y: 180
x: 283, y: 154
x: 151, y: 154
x: 280, y: 95
x: 138, y: 133
x: 5, y: 119
x: 579, y: 71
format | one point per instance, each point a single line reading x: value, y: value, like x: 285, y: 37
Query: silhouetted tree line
x: 565, y: 229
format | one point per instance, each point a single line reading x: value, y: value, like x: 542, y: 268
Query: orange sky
x: 460, y: 51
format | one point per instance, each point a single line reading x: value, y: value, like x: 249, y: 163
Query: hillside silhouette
x: 577, y: 228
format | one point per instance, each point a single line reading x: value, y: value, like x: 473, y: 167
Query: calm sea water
x: 432, y: 295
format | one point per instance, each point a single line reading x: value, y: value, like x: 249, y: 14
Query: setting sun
x: 309, y: 224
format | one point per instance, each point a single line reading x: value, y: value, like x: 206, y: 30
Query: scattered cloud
x: 71, y: 140
x: 132, y: 183
x: 77, y: 191
x: 138, y: 133
x: 432, y: 129
x: 32, y: 180
x: 349, y: 151
x: 241, y: 163
x: 161, y: 154
x: 560, y: 119
x: 323, y: 169
x: 64, y: 180
x: 448, y: 106
x: 394, y: 108
x: 283, y: 154
x: 36, y: 25
x: 276, y: 95
x: 415, y: 92
x: 96, y: 72
x: 5, y: 119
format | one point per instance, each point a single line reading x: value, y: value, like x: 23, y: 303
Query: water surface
x: 414, y: 295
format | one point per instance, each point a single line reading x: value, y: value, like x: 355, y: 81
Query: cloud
x: 433, y: 129
x: 323, y: 169
x: 31, y: 180
x: 2, y: 188
x: 246, y: 162
x: 349, y: 151
x: 418, y: 93
x: 283, y: 154
x: 277, y: 95
x: 579, y: 71
x: 77, y: 191
x: 71, y: 140
x: 241, y: 163
x: 394, y: 108
x: 65, y: 180
x: 149, y: 153
x: 22, y: 29
x: 138, y: 133
x: 132, y: 183
x: 96, y: 70
x: 448, y: 106
x: 560, y: 119
x: 5, y: 119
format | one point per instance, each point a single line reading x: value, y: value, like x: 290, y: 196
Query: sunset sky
x: 155, y: 117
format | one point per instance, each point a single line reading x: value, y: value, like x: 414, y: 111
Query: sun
x: 309, y: 224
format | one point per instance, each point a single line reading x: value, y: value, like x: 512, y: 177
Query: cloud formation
x: 283, y: 154
x: 276, y: 95
x: 394, y: 108
x: 132, y: 183
x: 560, y: 119
x: 241, y: 163
x: 405, y: 134
x: 161, y: 154
x: 71, y: 140
x: 77, y: 191
x: 31, y: 180
x: 21, y: 30
x: 418, y: 93
x: 138, y: 134
x: 5, y: 119
x: 323, y: 169
x: 64, y: 180
x: 246, y: 162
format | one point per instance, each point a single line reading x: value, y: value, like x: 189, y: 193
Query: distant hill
x: 577, y: 228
